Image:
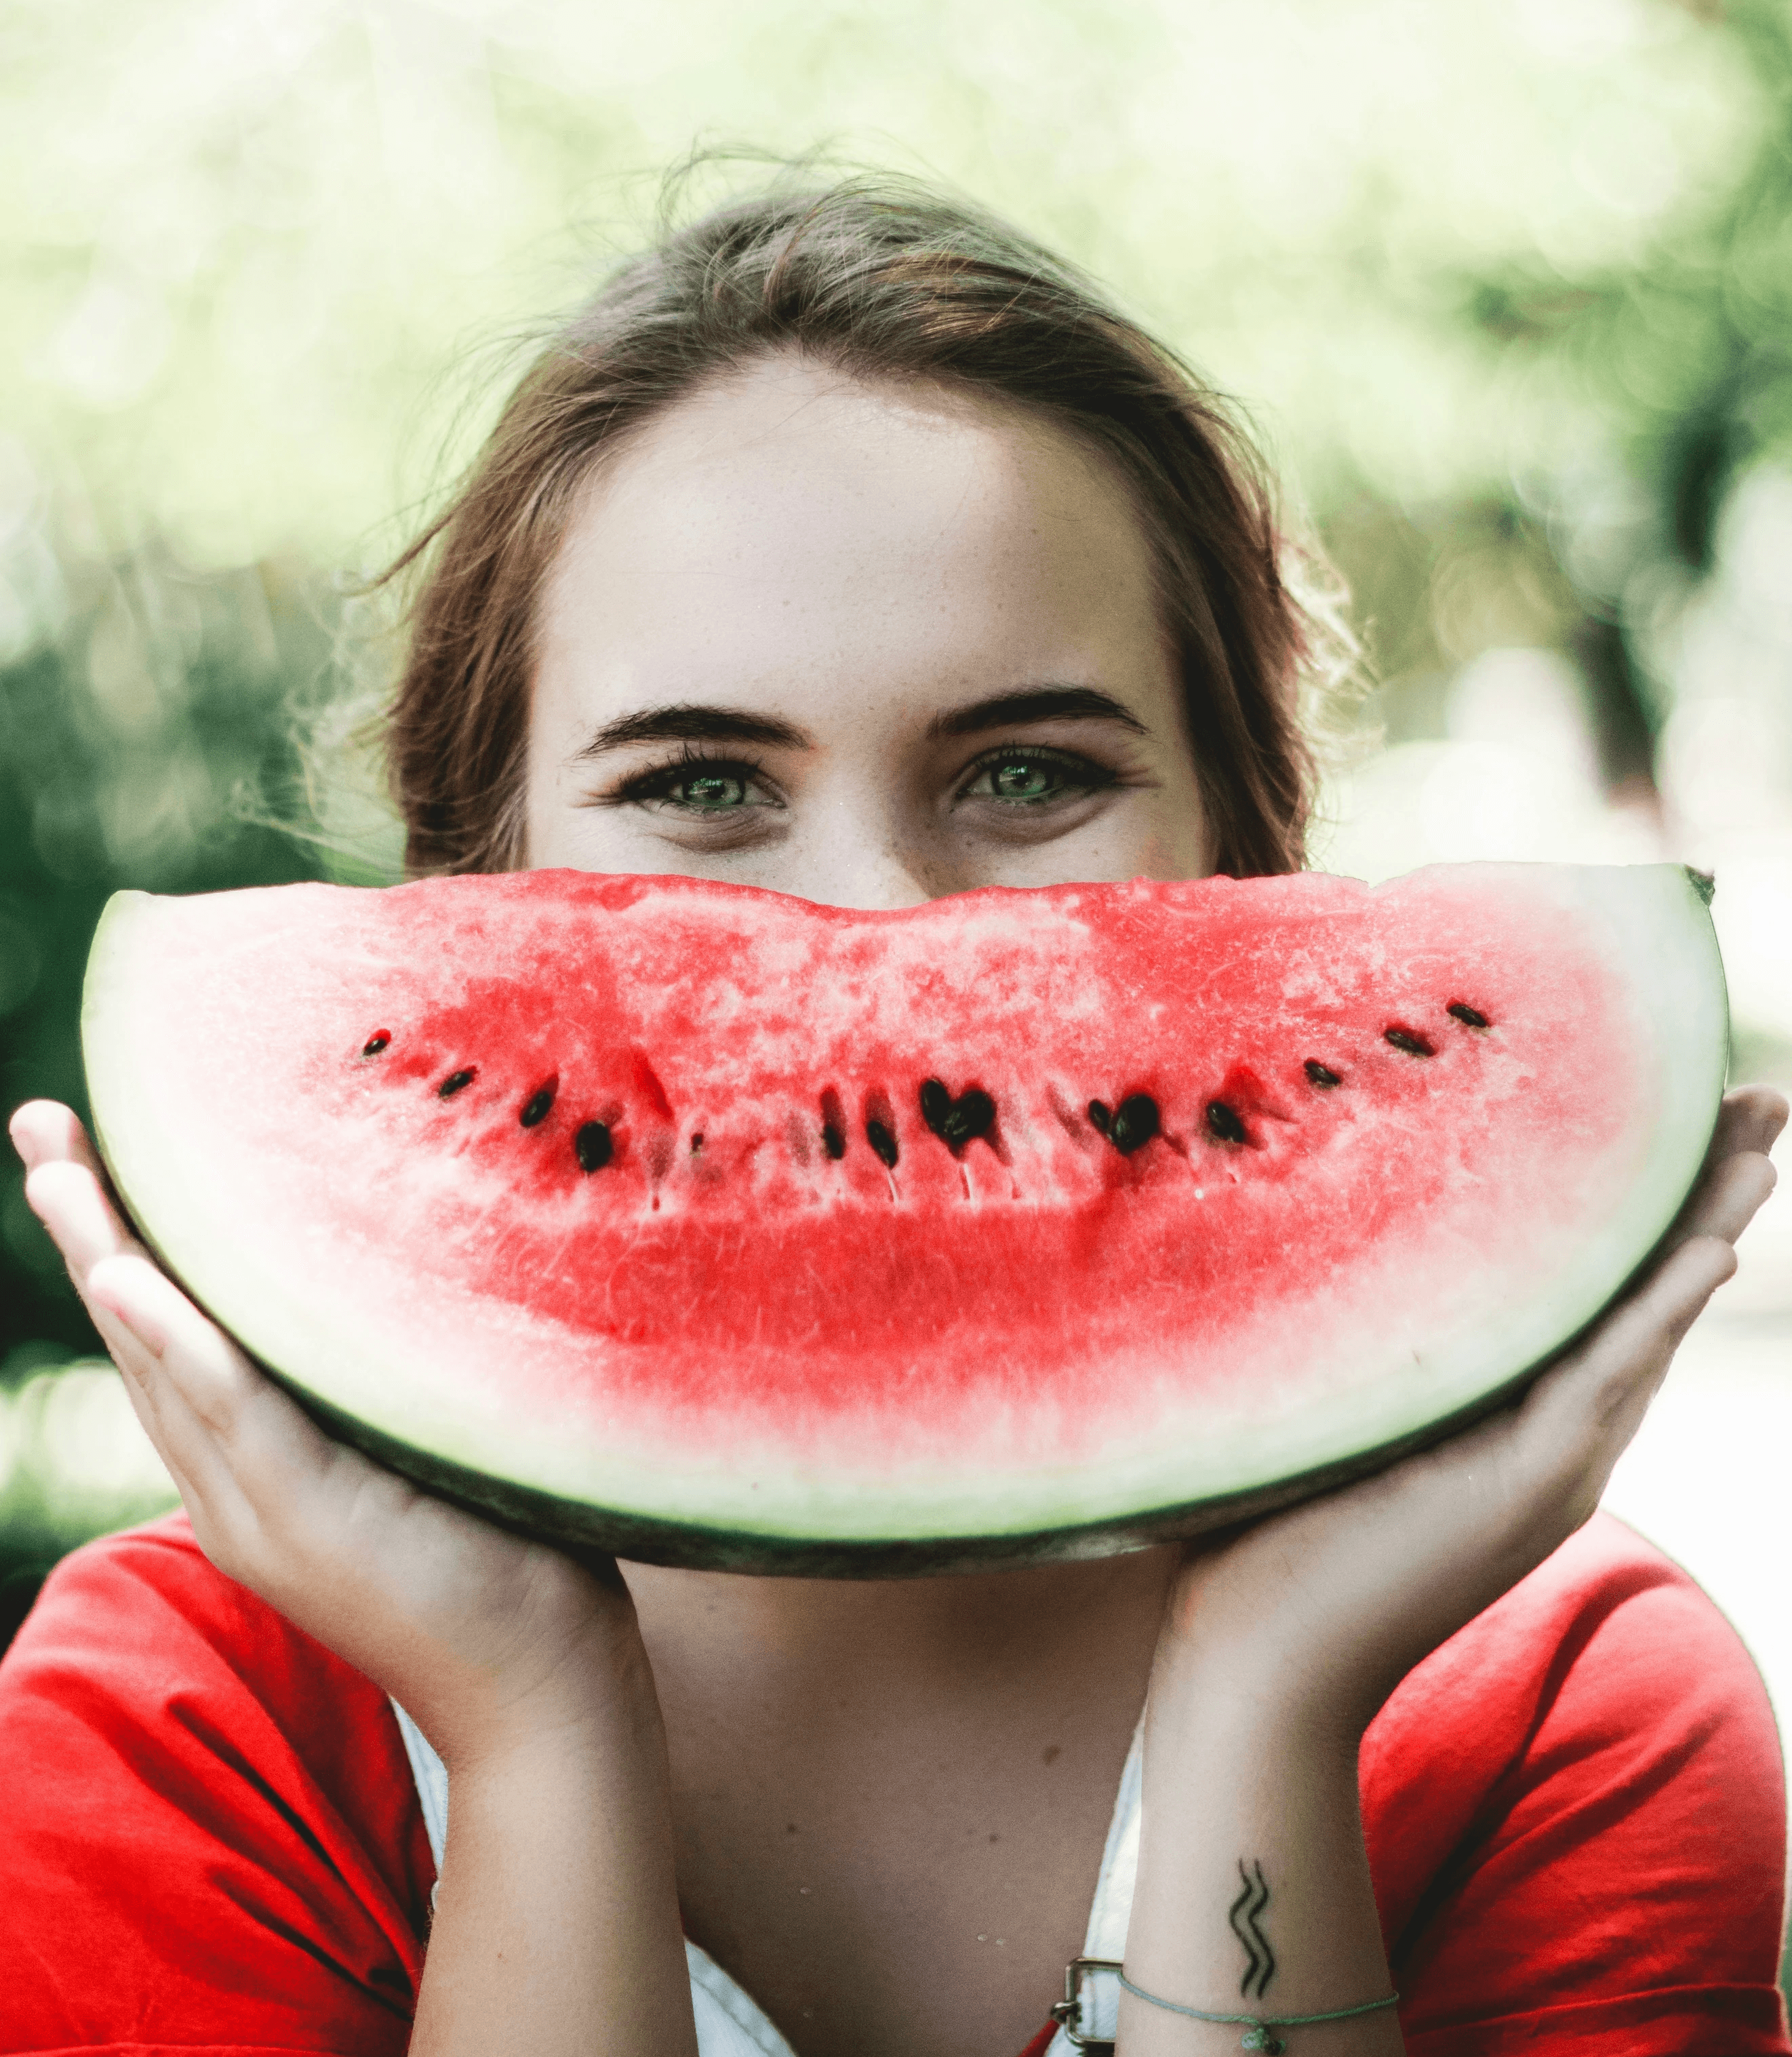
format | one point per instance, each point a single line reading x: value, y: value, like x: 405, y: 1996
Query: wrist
x: 1251, y: 1859
x: 595, y: 1698
x: 1285, y: 1697
x: 1281, y: 1666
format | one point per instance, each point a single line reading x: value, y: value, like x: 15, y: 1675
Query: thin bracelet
x: 1258, y: 2026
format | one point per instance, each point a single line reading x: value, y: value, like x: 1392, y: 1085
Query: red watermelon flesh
x: 728, y: 1228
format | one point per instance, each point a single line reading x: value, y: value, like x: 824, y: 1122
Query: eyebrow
x: 688, y: 723
x: 1035, y: 703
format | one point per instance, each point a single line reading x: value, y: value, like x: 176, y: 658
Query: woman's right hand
x: 481, y: 1637
x: 556, y: 1928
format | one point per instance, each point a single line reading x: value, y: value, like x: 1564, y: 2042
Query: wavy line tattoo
x: 1242, y: 1915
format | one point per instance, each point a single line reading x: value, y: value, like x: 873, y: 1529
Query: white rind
x: 271, y: 1299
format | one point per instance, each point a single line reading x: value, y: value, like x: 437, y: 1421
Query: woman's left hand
x: 1334, y: 1602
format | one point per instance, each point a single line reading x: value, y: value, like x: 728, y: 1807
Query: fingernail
x: 104, y: 1304
x: 118, y: 1305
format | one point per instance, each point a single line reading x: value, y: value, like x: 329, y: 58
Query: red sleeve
x: 1576, y: 1819
x: 210, y: 1841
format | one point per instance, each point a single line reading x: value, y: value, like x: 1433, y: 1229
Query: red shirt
x: 210, y: 1841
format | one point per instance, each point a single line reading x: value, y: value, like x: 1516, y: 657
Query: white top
x: 730, y: 2025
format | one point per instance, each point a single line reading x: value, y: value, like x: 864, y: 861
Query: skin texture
x: 881, y: 1806
x: 861, y: 566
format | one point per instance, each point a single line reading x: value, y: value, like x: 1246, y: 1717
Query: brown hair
x: 881, y: 279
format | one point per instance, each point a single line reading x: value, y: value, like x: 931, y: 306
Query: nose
x: 861, y: 846
x: 874, y: 876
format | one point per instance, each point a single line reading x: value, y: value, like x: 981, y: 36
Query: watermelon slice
x: 720, y: 1229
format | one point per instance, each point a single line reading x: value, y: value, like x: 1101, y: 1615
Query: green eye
x: 712, y: 793
x: 1040, y: 778
x: 694, y: 785
x: 1024, y: 779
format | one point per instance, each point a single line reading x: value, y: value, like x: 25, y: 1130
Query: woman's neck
x: 897, y: 1788
x: 896, y: 1650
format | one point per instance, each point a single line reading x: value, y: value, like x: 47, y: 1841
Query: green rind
x: 686, y: 1537
x: 690, y: 1546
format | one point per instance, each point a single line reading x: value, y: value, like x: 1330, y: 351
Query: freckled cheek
x: 1160, y: 858
x: 557, y: 830
x: 1185, y: 853
x: 1168, y: 838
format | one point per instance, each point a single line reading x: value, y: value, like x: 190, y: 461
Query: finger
x: 196, y: 1359
x: 1749, y: 1123
x: 1751, y: 1117
x: 200, y: 1391
x: 1728, y: 1197
x: 227, y: 1409
x: 151, y: 1401
x: 179, y: 1358
x: 1586, y: 1409
x: 45, y: 1131
x: 140, y: 1375
x: 67, y: 1197
x: 169, y: 1360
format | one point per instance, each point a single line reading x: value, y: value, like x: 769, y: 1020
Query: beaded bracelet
x: 1257, y: 2028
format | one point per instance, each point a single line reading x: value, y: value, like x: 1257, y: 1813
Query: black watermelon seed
x: 697, y: 1144
x: 834, y: 1125
x: 1414, y: 1046
x: 1223, y: 1122
x: 1101, y: 1115
x: 1136, y: 1120
x: 882, y: 1141
x: 375, y: 1043
x: 452, y: 1085
x: 536, y: 1107
x: 1320, y: 1075
x: 957, y: 1122
x: 593, y: 1147
x: 1470, y: 1017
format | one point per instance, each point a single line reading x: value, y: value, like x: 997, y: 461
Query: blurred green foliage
x: 1680, y: 357
x: 1522, y: 372
x: 137, y: 747
x: 141, y: 745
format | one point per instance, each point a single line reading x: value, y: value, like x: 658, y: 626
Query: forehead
x: 786, y: 521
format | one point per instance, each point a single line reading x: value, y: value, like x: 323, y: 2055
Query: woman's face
x: 859, y: 644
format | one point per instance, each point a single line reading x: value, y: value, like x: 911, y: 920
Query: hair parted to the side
x: 882, y: 279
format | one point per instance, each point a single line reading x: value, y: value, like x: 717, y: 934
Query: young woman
x: 847, y: 544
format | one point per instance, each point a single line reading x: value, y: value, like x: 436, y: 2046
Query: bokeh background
x: 1505, y: 285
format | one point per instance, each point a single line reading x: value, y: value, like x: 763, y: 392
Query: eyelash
x: 1091, y: 776
x: 656, y: 783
